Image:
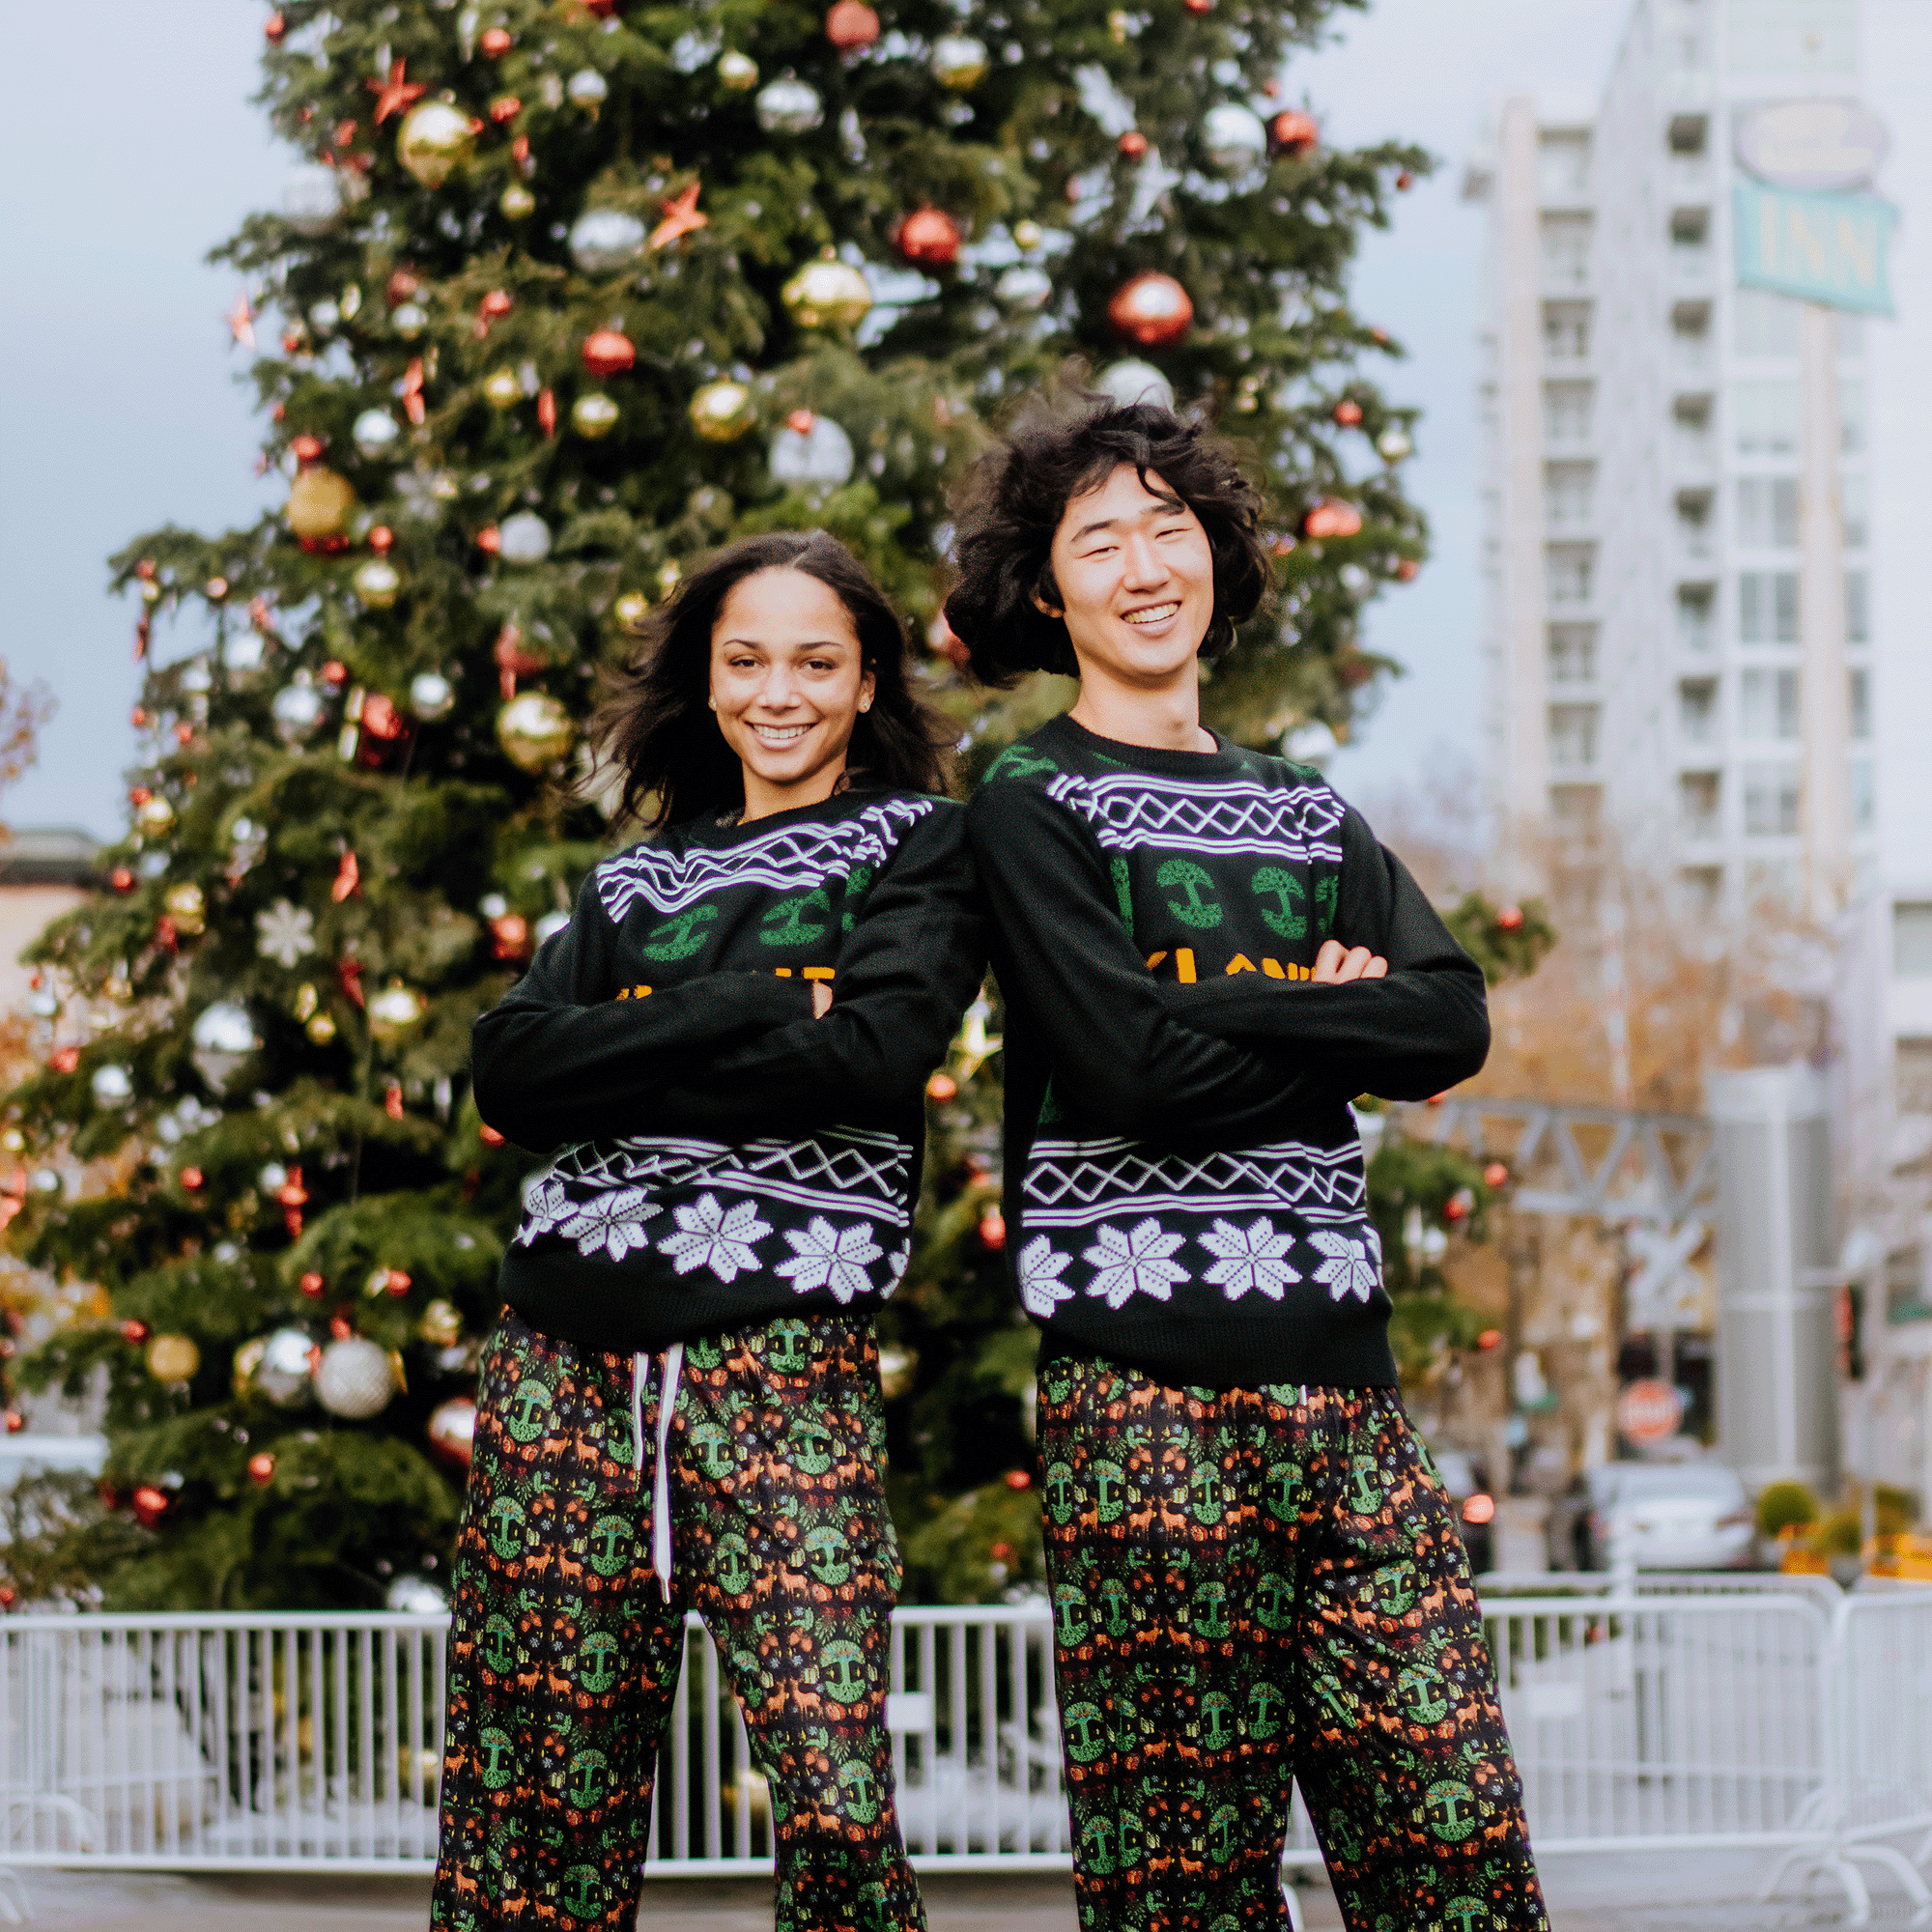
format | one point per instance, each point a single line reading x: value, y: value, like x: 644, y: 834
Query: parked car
x: 1475, y: 1507
x: 1665, y: 1516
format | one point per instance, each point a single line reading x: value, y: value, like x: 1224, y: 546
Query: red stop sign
x: 1649, y: 1411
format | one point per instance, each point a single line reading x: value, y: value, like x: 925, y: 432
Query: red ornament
x: 510, y: 937
x: 1019, y: 1479
x: 1133, y: 144
x: 1198, y: 6
x: 165, y: 935
x: 452, y: 1431
x: 1348, y: 412
x: 411, y: 392
x: 999, y: 1551
x: 1456, y: 1208
x: 121, y: 879
x: 681, y: 217
x: 307, y: 448
x: 274, y: 27
x: 64, y: 1060
x: 349, y: 977
x: 347, y: 878
x: 609, y: 352
x: 7, y: 1599
x: 488, y: 1134
x: 1495, y: 1175
x: 1331, y: 518
x: 140, y: 795
x: 138, y: 716
x: 398, y: 1283
x: 496, y: 42
x: 800, y: 422
x: 334, y: 672
x: 340, y: 1327
x: 262, y: 1469
x: 15, y: 1421
x: 1405, y: 571
x: 1405, y: 180
x: 928, y: 238
x: 382, y: 539
x: 392, y: 1101
x: 1490, y: 1341
x: 513, y: 660
x: 400, y: 287
x: 505, y: 107
x: 547, y: 410
x: 488, y: 541
x: 133, y: 1333
x: 392, y: 96
x: 495, y: 306
x: 151, y: 1505
x: 313, y: 1286
x: 193, y: 1179
x: 1151, y: 309
x: 851, y: 25
x: 942, y: 1088
x: 381, y: 720
x: 1510, y: 918
x: 992, y: 1231
x: 1294, y: 132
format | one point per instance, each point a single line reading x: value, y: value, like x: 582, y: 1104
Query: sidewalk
x: 1602, y: 1893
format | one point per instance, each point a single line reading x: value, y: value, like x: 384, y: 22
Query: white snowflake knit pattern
x: 1249, y: 1258
x: 1352, y: 1268
x: 1134, y: 1262
x: 832, y: 1258
x: 614, y: 1222
x: 1040, y: 1267
x: 717, y: 1239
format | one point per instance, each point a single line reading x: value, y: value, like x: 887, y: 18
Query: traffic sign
x: 1827, y: 248
x: 1649, y: 1411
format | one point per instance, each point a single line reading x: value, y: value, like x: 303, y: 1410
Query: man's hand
x: 821, y: 995
x: 1335, y: 965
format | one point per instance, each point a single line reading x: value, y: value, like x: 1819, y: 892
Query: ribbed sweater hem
x: 1226, y: 1354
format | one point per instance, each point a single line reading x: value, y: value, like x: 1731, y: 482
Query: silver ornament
x: 416, y: 1597
x: 355, y: 1378
x: 410, y: 321
x: 223, y: 1041
x: 296, y: 710
x: 1134, y: 382
x: 431, y: 695
x: 278, y: 1366
x: 375, y: 431
x: 960, y: 62
x: 821, y: 456
x: 1234, y: 138
x: 587, y: 89
x: 605, y: 240
x: 312, y: 199
x: 788, y: 106
x: 524, y: 538
x: 1393, y: 445
x: 112, y: 1085
x: 1025, y: 286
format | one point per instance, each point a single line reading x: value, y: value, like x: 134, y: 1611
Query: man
x: 1255, y: 1574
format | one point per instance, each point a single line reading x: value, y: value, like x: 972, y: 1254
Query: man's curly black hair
x: 1014, y: 501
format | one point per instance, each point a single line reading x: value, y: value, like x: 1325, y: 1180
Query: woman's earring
x: 713, y: 702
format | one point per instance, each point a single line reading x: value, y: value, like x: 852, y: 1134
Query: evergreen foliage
x: 346, y: 835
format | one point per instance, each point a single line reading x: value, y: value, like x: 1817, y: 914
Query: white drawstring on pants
x: 673, y: 1359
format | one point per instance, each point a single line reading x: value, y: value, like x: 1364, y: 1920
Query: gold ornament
x: 517, y: 203
x: 1027, y: 235
x: 172, y: 1358
x: 441, y: 1325
x: 1120, y: 24
x: 500, y: 389
x: 155, y: 815
x: 378, y: 584
x: 434, y: 141
x: 534, y: 730
x: 593, y: 416
x: 307, y: 1000
x: 827, y: 294
x: 321, y: 1028
x: 318, y: 505
x: 960, y: 62
x: 737, y: 71
x: 396, y: 1012
x: 722, y: 412
x: 186, y: 907
x: 633, y: 610
x: 670, y: 577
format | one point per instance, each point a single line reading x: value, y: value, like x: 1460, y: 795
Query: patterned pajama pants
x: 1256, y: 1586
x: 563, y: 1658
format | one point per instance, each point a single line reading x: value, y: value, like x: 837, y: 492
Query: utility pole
x: 1825, y: 679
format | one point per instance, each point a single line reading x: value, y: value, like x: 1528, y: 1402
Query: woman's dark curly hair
x: 656, y: 728
x: 1017, y: 492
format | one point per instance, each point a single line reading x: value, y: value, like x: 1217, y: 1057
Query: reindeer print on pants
x: 564, y: 1658
x: 1253, y: 1588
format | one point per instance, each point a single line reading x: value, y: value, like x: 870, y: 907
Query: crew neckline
x: 1224, y: 757
x: 710, y: 828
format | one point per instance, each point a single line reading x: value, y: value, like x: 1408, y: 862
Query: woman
x: 728, y: 1048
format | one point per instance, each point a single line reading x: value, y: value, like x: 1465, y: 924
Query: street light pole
x: 1825, y: 679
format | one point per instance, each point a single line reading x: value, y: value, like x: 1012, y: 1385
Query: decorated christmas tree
x: 561, y: 294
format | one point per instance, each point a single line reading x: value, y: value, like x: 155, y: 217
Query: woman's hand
x: 1335, y: 965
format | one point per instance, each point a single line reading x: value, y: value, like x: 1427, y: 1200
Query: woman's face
x: 787, y: 683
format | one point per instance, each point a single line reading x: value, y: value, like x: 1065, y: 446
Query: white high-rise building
x: 1647, y: 658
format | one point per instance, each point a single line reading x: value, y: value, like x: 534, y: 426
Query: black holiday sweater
x: 1185, y: 1186
x: 722, y: 1155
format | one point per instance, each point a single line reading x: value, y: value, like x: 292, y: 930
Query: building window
x: 1563, y: 167
x: 1568, y: 490
x: 1853, y: 507
x: 1694, y: 523
x: 1571, y: 567
x: 1912, y: 938
x: 1861, y: 702
x: 1566, y: 250
x: 1566, y: 331
x: 1565, y: 412
x: 1696, y: 447
x: 1688, y: 134
x: 1795, y: 40
x: 1696, y: 604
x: 1697, y: 710
x: 1768, y: 512
x: 1858, y: 607
x: 1572, y: 653
x: 1912, y: 1065
x: 1572, y: 736
x: 1765, y: 418
x: 1770, y: 800
x: 1763, y: 323
x: 1768, y: 706
x: 1698, y: 800
x: 1768, y: 606
x: 1690, y: 335
x: 1691, y: 243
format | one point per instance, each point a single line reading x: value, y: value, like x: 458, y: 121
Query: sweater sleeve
x: 562, y: 1058
x: 1117, y: 1054
x: 1420, y: 1029
x: 904, y: 974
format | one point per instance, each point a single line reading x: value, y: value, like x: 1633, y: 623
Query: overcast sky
x: 123, y: 412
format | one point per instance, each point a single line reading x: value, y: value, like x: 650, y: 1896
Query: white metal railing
x: 1695, y: 1712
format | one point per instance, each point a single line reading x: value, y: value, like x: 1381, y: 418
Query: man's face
x: 1136, y: 578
